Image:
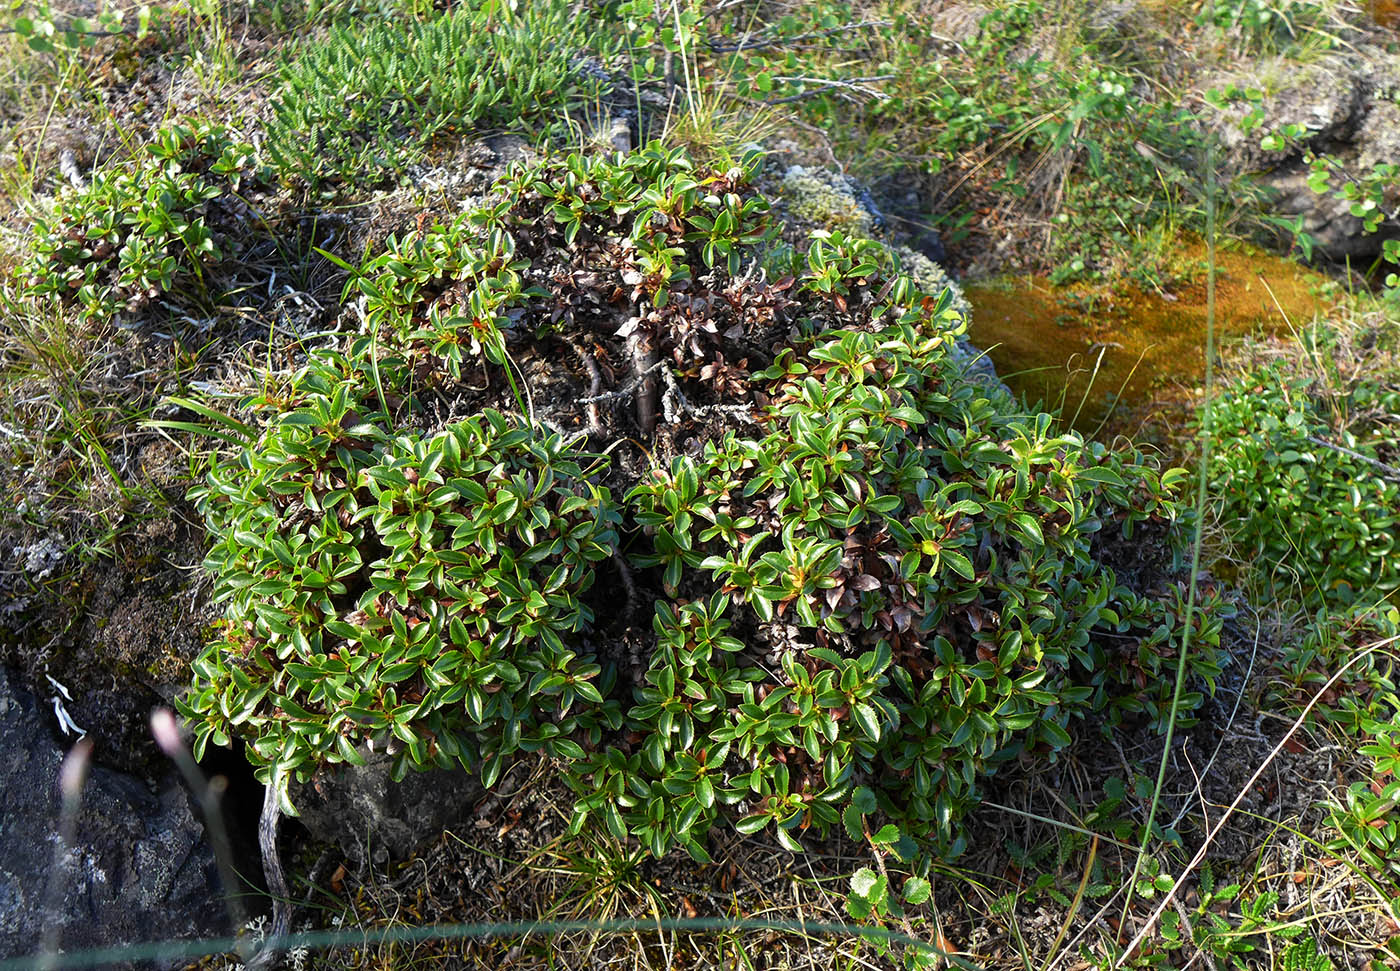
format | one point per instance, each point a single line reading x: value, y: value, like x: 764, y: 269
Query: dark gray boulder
x: 139, y: 868
x: 369, y: 817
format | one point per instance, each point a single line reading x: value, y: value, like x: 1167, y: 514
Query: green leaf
x: 960, y: 564
x: 864, y: 882
x: 748, y: 825
x: 1055, y: 734
x: 889, y: 833
x: 868, y: 721
x: 851, y: 818
x: 399, y: 672
x: 491, y: 771
x: 567, y: 749
x: 347, y: 751
x: 787, y: 841
x: 1028, y: 525
x: 588, y: 692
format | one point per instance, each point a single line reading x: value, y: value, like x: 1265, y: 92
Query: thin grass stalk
x: 1196, y: 543
x: 1089, y: 389
x: 209, y: 793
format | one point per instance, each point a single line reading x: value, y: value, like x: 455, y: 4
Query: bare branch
x: 1388, y: 471
x: 841, y: 88
x: 758, y: 45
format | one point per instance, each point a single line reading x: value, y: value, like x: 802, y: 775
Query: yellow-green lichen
x: 825, y: 200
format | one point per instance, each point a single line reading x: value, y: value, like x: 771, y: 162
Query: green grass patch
x: 484, y: 66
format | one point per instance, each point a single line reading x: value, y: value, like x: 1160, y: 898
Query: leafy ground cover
x: 685, y: 526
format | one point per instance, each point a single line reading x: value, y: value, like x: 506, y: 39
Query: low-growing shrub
x: 641, y: 252
x: 140, y: 230
x: 416, y: 593
x: 484, y: 65
x: 865, y: 569
x: 1305, y: 485
x: 917, y: 576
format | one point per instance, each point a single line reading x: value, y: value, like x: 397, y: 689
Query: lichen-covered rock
x: 139, y: 869
x: 931, y: 277
x: 1327, y: 97
x: 956, y: 25
x: 824, y: 198
x: 1347, y: 104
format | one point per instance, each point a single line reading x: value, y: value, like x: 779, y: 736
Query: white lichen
x: 931, y: 277
x: 42, y: 557
x: 825, y: 199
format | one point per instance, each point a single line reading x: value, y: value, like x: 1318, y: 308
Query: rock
x: 372, y: 818
x: 119, y: 636
x: 931, y: 277
x: 957, y: 25
x: 1346, y: 101
x: 825, y: 198
x: 140, y: 868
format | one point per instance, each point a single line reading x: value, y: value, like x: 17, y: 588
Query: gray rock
x: 372, y: 818
x: 979, y: 368
x: 1347, y: 104
x: 139, y: 868
x: 825, y: 198
x: 957, y: 24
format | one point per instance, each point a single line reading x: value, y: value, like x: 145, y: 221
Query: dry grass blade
x: 1200, y: 854
x: 1074, y: 906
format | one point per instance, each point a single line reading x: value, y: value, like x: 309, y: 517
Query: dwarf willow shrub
x: 414, y: 593
x: 879, y: 578
x: 919, y: 577
x: 1301, y: 492
x: 136, y: 231
x: 362, y: 102
x: 582, y: 239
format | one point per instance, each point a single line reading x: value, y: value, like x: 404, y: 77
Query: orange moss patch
x: 1386, y: 13
x: 1102, y: 352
